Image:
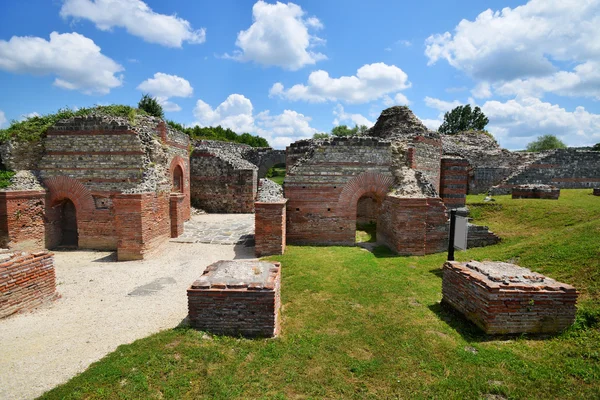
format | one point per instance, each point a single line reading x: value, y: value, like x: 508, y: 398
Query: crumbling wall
x: 22, y: 219
x: 453, y: 182
x: 25, y: 155
x: 563, y: 168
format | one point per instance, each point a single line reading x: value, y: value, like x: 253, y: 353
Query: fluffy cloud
x: 279, y: 36
x: 237, y: 114
x: 137, y: 18
x: 517, y: 122
x: 75, y: 60
x: 371, y: 82
x: 28, y: 115
x: 398, y: 100
x: 2, y: 118
x: 341, y: 116
x: 163, y: 86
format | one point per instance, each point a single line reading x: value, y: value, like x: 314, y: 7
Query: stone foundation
x: 535, y: 192
x: 503, y: 298
x: 237, y: 298
x: 26, y: 281
x: 269, y: 228
x: 22, y: 219
x: 596, y: 192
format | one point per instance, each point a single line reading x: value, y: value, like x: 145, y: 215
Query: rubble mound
x: 269, y: 191
x: 397, y: 121
x: 25, y: 180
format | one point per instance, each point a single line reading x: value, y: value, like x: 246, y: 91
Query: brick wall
x: 413, y: 226
x: 425, y: 157
x: 219, y: 186
x: 367, y: 210
x: 238, y: 308
x: 453, y: 181
x: 26, y: 282
x: 177, y: 213
x: 142, y: 223
x: 596, y: 192
x: 270, y: 228
x: 534, y: 192
x: 499, y: 308
x: 22, y: 219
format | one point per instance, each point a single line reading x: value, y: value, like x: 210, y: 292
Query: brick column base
x: 177, y: 213
x: 269, y: 228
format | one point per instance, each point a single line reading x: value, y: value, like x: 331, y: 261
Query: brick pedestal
x: 177, y: 213
x: 596, y: 192
x: 270, y: 228
x: 22, y: 219
x: 503, y: 298
x: 454, y: 181
x: 237, y: 298
x: 535, y: 192
x: 26, y: 281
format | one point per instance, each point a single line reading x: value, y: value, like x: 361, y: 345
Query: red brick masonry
x: 177, y: 211
x: 22, y: 219
x: 26, y: 282
x: 510, y: 299
x: 237, y: 298
x: 454, y: 181
x: 269, y: 222
x: 596, y: 191
x: 535, y: 192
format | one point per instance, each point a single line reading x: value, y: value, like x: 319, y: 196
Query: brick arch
x: 179, y: 161
x: 366, y: 183
x: 64, y: 187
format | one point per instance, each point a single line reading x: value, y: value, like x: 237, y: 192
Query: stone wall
x: 142, y: 223
x: 222, y: 185
x: 413, y: 226
x: 26, y: 281
x: 22, y: 219
x: 270, y: 228
x: 222, y: 303
x: 502, y: 298
x: 15, y: 155
x: 325, y: 183
x: 425, y: 157
x: 564, y: 168
x: 535, y: 192
x: 480, y: 236
x: 596, y: 192
x: 453, y: 181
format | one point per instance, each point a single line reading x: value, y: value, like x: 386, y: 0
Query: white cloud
x: 521, y: 50
x: 137, y: 18
x: 2, y: 118
x: 75, y: 60
x: 441, y: 105
x: 399, y: 99
x: 482, y: 90
x: 342, y: 117
x: 279, y: 36
x: 371, y: 82
x: 517, y: 122
x: 237, y: 114
x: 432, y: 124
x: 28, y: 115
x: 164, y: 86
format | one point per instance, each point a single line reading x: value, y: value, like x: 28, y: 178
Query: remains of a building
x: 269, y: 219
x: 237, y: 298
x: 224, y: 176
x: 99, y: 182
x: 596, y: 192
x: 26, y: 281
x: 535, y: 192
x: 502, y: 298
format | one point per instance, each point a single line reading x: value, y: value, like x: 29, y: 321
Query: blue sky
x: 288, y: 70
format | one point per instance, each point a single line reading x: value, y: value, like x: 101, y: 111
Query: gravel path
x: 104, y: 304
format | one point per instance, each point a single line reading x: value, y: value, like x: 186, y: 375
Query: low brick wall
x: 22, y: 219
x: 596, y: 192
x: 177, y: 213
x: 237, y: 298
x: 509, y: 299
x: 269, y: 228
x: 26, y: 282
x: 480, y: 236
x: 535, y: 192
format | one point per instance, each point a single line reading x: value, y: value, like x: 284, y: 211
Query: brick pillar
x: 454, y: 181
x: 128, y: 220
x: 269, y: 228
x: 596, y: 191
x: 177, y: 213
x: 22, y: 219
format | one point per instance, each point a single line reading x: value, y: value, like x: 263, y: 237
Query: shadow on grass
x: 382, y: 251
x: 439, y: 272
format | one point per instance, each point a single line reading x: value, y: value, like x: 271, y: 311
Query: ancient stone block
x: 237, y: 298
x: 535, y: 192
x: 503, y: 298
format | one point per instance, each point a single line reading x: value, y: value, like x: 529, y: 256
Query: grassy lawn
x: 363, y: 325
x: 278, y: 174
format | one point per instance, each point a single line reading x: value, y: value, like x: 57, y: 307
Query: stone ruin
x: 98, y: 182
x: 535, y: 192
x: 503, y: 298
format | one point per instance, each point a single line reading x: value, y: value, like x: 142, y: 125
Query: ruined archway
x: 68, y: 224
x: 178, y: 183
x: 367, y: 214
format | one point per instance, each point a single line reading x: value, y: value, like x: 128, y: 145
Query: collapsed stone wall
x: 26, y: 281
x: 16, y: 156
x: 563, y: 168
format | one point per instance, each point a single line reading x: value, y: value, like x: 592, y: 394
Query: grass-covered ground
x: 364, y: 325
x: 277, y: 174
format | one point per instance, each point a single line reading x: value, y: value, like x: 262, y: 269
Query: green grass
x: 5, y: 178
x: 366, y: 233
x: 277, y: 174
x: 363, y: 325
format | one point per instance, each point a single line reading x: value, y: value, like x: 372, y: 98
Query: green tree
x: 343, y: 130
x: 322, y: 135
x: 596, y: 147
x: 463, y: 118
x: 546, y: 142
x: 151, y: 106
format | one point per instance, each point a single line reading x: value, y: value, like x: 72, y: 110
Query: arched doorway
x: 367, y: 213
x: 178, y: 179
x: 68, y: 224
